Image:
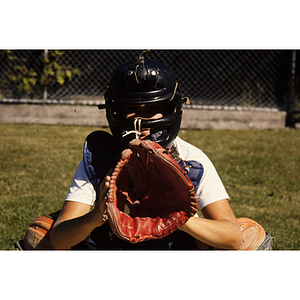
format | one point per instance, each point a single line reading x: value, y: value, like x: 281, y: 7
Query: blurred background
x: 212, y: 79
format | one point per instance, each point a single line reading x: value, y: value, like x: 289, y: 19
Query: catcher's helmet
x: 141, y: 82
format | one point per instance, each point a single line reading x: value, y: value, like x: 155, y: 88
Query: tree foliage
x: 28, y: 79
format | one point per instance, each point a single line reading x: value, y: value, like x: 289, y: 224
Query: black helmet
x: 140, y: 82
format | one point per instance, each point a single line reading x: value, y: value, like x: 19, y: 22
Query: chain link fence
x: 219, y: 79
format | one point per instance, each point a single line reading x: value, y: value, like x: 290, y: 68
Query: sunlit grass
x: 261, y: 172
x: 259, y: 168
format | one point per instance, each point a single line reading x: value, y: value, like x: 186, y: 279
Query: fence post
x: 45, y: 95
x: 291, y: 101
x: 292, y: 95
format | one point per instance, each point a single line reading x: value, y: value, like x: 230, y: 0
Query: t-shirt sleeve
x: 81, y: 189
x: 210, y: 188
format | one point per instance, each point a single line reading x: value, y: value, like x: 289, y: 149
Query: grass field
x: 259, y: 168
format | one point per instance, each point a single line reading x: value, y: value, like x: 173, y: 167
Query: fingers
x: 104, y: 187
x: 105, y: 182
x: 99, y: 211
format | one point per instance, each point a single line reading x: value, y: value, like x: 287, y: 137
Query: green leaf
x: 49, y: 71
x: 32, y: 81
x: 56, y: 65
x: 13, y: 77
x: 76, y: 71
x: 43, y: 79
x: 32, y: 73
x: 26, y: 83
x: 12, y: 57
x: 60, y: 77
x: 69, y: 74
x: 58, y: 52
x: 55, y: 53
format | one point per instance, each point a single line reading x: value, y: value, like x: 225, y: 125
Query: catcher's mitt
x: 37, y: 236
x: 254, y: 237
x: 150, y: 195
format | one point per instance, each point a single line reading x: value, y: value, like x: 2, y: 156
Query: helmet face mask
x: 138, y: 91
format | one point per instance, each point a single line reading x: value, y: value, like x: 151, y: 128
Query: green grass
x: 259, y: 168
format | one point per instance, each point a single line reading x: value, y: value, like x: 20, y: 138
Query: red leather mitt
x: 150, y: 195
x: 254, y: 237
x: 37, y: 236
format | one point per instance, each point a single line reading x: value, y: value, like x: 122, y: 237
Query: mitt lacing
x: 137, y: 128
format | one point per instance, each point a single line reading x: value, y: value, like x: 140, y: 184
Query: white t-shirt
x: 209, y: 190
